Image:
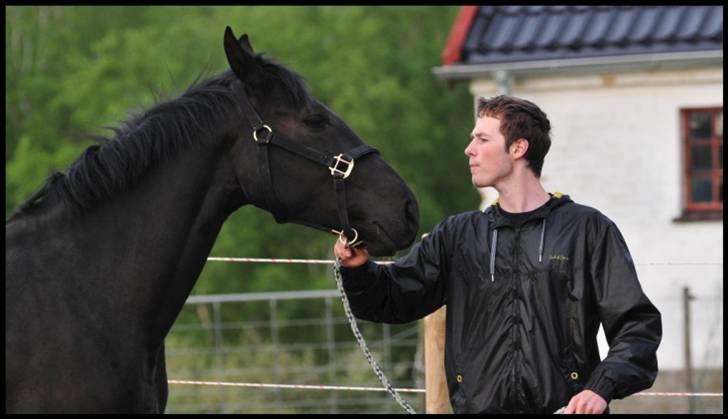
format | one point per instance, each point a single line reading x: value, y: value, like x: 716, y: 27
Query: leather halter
x: 340, y: 166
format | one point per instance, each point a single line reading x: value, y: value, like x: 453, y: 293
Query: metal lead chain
x: 362, y: 343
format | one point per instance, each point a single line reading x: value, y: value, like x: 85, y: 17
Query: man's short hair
x: 520, y: 118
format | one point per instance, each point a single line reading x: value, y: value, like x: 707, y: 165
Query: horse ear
x: 245, y: 43
x: 240, y: 56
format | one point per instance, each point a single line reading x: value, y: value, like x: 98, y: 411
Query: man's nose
x: 468, y: 149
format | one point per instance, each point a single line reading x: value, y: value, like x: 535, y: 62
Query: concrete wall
x: 616, y: 146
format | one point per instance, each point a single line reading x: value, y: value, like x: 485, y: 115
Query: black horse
x: 101, y: 260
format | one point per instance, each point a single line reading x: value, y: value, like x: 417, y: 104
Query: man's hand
x: 350, y: 257
x: 586, y: 402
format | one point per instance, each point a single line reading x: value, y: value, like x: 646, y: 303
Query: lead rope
x: 363, y: 344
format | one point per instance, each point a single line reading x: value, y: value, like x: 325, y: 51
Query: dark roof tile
x: 713, y: 27
x: 513, y: 9
x: 622, y: 26
x: 692, y: 20
x: 645, y: 24
x: 507, y: 31
x: 530, y: 28
x: 666, y: 28
x: 600, y: 23
x: 550, y: 31
x: 573, y: 33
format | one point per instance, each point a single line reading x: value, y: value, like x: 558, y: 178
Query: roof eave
x: 593, y: 64
x: 458, y: 34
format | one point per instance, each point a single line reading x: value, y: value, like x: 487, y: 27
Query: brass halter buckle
x: 345, y: 172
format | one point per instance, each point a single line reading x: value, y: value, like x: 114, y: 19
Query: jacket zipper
x: 514, y: 305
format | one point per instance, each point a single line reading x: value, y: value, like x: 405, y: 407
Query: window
x: 703, y: 163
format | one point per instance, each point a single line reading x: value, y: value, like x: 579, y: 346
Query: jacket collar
x: 497, y: 219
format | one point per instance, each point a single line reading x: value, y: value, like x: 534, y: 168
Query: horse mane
x: 148, y: 138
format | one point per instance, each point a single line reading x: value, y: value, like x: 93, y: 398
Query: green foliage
x: 72, y: 70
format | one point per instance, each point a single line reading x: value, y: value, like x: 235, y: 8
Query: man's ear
x: 519, y: 147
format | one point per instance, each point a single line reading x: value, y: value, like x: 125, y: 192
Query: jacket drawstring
x: 540, y: 245
x: 493, y: 244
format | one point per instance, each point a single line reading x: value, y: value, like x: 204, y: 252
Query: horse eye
x: 316, y: 121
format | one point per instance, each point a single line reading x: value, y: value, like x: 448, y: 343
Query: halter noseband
x: 340, y: 166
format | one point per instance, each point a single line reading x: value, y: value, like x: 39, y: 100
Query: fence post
x: 686, y: 297
x: 219, y: 364
x: 331, y: 349
x: 437, y: 398
x: 273, y: 306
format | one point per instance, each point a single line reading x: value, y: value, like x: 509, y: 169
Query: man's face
x: 489, y: 162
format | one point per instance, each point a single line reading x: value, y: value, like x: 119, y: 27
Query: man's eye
x: 316, y: 121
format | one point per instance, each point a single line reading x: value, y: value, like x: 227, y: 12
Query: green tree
x: 72, y: 70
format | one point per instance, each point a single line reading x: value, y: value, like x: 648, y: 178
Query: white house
x: 635, y: 99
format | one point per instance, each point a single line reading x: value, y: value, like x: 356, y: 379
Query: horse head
x: 299, y: 160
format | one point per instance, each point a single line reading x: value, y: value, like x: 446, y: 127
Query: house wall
x: 616, y: 146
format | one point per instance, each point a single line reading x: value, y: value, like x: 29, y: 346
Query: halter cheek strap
x: 340, y: 166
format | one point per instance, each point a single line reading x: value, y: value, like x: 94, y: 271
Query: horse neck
x: 163, y: 230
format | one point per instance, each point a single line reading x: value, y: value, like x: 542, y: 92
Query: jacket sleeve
x: 406, y: 290
x: 632, y: 324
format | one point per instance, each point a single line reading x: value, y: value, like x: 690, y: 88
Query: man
x: 526, y: 282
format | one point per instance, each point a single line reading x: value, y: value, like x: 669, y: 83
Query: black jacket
x: 522, y: 321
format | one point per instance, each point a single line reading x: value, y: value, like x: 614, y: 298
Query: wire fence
x: 293, y: 352
x: 310, y: 350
